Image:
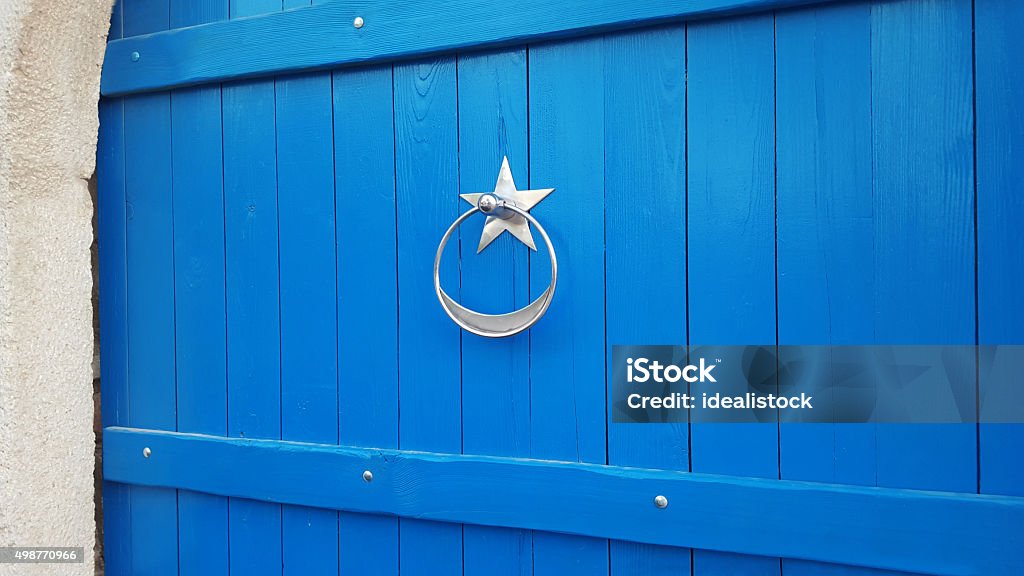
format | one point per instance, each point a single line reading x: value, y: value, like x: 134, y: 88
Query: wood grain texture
x: 645, y: 238
x: 430, y: 375
x: 495, y: 372
x: 310, y: 537
x: 253, y: 298
x: 200, y: 321
x: 731, y: 234
x: 151, y: 370
x: 922, y: 142
x: 150, y: 297
x: 567, y: 345
x: 825, y: 226
x: 111, y: 223
x: 825, y: 215
x: 664, y: 218
x: 364, y: 144
x: 1000, y: 189
x: 323, y: 36
x: 309, y: 330
x: 927, y: 532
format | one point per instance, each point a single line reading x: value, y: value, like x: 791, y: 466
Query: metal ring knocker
x: 495, y: 325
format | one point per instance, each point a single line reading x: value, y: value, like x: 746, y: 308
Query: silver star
x: 514, y: 223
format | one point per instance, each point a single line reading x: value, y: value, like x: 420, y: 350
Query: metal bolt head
x: 135, y: 56
x: 487, y: 203
x: 660, y: 501
x: 146, y: 452
x: 367, y: 476
x: 358, y: 22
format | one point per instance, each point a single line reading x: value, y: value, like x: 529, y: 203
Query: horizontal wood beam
x: 323, y: 36
x: 915, y: 531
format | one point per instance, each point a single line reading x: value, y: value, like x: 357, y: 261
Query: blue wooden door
x: 282, y: 392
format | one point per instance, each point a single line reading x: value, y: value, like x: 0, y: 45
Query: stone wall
x: 50, y: 57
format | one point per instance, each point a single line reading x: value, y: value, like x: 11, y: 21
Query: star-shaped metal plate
x: 514, y: 223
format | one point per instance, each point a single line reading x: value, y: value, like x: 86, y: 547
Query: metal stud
x: 367, y: 476
x: 358, y: 22
x: 135, y: 56
x: 146, y: 452
x: 660, y: 501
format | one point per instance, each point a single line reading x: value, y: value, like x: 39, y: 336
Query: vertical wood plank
x: 111, y: 221
x: 150, y: 263
x: 191, y: 12
x: 731, y: 233
x: 645, y: 231
x: 116, y: 21
x: 1000, y: 139
x: 922, y: 131
x: 150, y: 317
x: 309, y: 348
x: 496, y: 402
x: 199, y: 309
x: 825, y: 225
x: 242, y: 8
x: 825, y: 215
x: 566, y: 91
x: 253, y: 297
x: 426, y: 170
x: 309, y: 377
x: 367, y: 273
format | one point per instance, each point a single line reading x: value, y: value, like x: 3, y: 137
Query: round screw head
x: 146, y: 452
x: 358, y: 22
x: 135, y: 56
x: 487, y: 203
x: 660, y: 501
x: 367, y: 476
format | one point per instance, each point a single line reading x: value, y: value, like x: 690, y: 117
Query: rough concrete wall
x: 50, y: 56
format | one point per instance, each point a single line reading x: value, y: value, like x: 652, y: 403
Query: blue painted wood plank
x: 111, y: 221
x: 116, y: 31
x: 645, y: 166
x: 922, y: 130
x: 150, y: 296
x: 185, y: 13
x: 322, y: 36
x: 111, y: 234
x: 151, y: 366
x: 200, y: 321
x: 364, y: 144
x: 496, y: 403
x: 426, y: 177
x: 566, y: 91
x: 253, y: 329
x: 1000, y: 154
x: 253, y: 299
x: 249, y: 8
x: 825, y: 220
x: 927, y: 532
x: 142, y: 17
x: 309, y: 347
x: 825, y: 225
x: 309, y: 380
x: 731, y: 233
x: 199, y: 309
